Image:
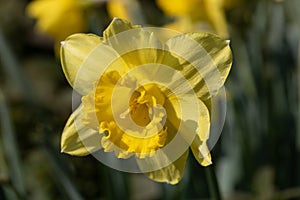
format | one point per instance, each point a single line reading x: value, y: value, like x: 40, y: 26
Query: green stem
x: 11, y: 150
x: 13, y: 70
x: 212, y: 183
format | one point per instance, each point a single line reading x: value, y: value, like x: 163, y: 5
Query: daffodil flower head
x: 58, y: 18
x: 147, y: 96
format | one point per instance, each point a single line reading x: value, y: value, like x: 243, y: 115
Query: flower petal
x: 136, y: 46
x: 117, y: 26
x: 205, y: 60
x: 77, y: 139
x: 74, y: 51
x: 84, y: 58
x: 198, y: 146
x: 172, y: 173
x: 189, y: 127
x: 201, y: 152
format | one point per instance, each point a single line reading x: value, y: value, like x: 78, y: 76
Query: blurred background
x: 258, y: 154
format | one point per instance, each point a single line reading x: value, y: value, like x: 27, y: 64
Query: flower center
x: 139, y: 112
x: 129, y: 128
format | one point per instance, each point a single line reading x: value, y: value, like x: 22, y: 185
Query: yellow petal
x: 190, y: 128
x: 198, y: 146
x: 204, y: 59
x: 117, y: 26
x: 164, y: 166
x: 74, y: 51
x: 84, y: 58
x: 172, y: 173
x: 201, y: 152
x: 136, y: 46
x: 77, y: 139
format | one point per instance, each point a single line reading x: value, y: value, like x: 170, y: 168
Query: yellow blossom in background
x: 125, y: 9
x: 192, y: 8
x: 58, y: 18
x: 189, y: 13
x: 143, y: 124
x: 118, y: 8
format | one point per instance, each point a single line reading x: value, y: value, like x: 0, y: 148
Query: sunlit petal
x: 172, y: 173
x: 199, y: 130
x: 198, y: 146
x: 117, y: 26
x: 205, y: 60
x: 84, y: 58
x: 74, y: 50
x: 77, y: 139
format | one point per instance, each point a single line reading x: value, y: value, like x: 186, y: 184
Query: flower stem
x: 212, y: 183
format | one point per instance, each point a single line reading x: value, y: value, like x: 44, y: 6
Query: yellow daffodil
x: 144, y: 96
x: 190, y: 13
x: 125, y: 9
x: 118, y: 8
x: 58, y: 18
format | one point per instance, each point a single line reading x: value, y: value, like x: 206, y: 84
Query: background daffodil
x: 118, y: 8
x: 141, y: 95
x: 125, y: 9
x: 58, y: 18
x: 189, y: 14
